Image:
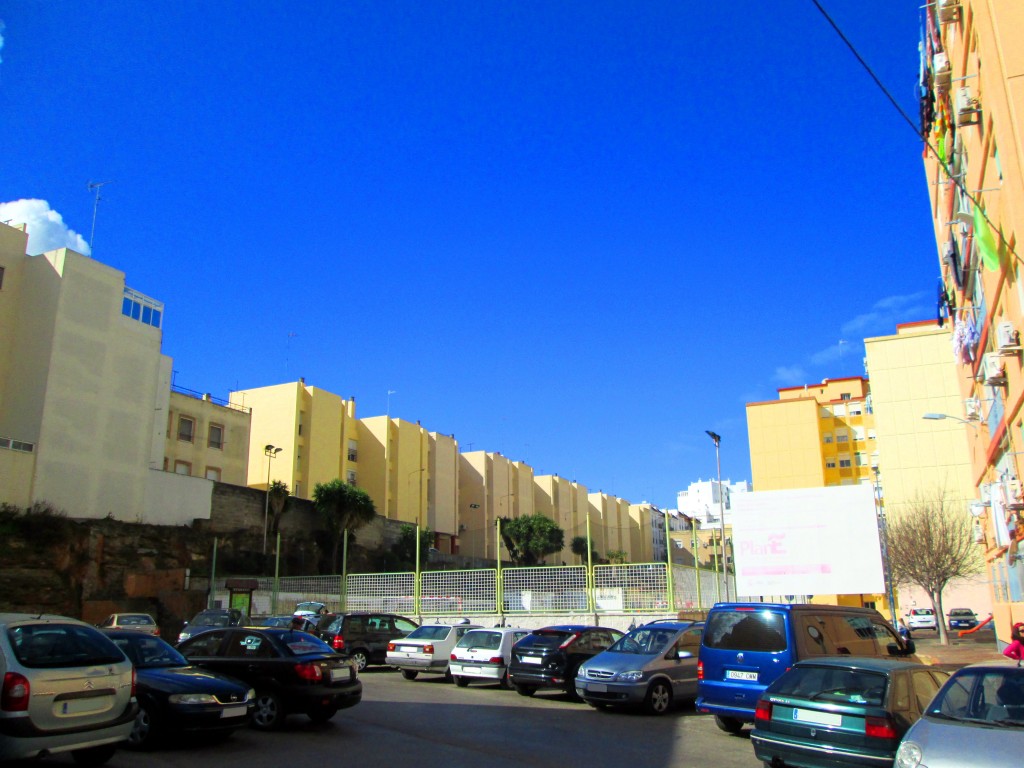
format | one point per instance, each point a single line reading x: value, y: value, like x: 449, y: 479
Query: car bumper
x: 20, y: 740
x: 319, y: 696
x: 207, y: 717
x: 630, y: 694
x: 537, y: 678
x: 769, y: 746
x: 720, y: 710
x: 482, y: 671
x: 421, y: 665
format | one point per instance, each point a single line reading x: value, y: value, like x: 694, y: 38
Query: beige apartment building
x: 207, y: 438
x: 972, y: 101
x: 85, y: 392
x: 923, y: 457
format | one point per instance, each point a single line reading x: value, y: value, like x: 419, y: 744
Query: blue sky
x: 578, y: 233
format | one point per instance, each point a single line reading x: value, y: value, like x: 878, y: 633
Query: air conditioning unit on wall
x: 942, y: 72
x: 991, y: 371
x: 972, y: 407
x: 1006, y: 337
x: 968, y: 109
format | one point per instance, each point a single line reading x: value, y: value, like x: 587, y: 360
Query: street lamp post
x: 271, y: 453
x: 721, y: 507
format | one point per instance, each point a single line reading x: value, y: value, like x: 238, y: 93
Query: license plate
x: 530, y: 660
x: 597, y: 687
x: 234, y: 711
x: 738, y: 674
x: 471, y: 669
x: 406, y: 648
x: 816, y: 717
x: 338, y: 674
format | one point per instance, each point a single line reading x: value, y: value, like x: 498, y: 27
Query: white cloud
x: 790, y: 375
x: 1, y: 36
x: 887, y: 313
x: 46, y: 228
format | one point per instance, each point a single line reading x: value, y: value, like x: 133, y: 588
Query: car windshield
x: 212, y: 620
x: 482, y: 639
x: 961, y: 612
x: 921, y: 612
x: 148, y: 652
x: 135, y: 620
x: 545, y: 639
x: 431, y: 632
x: 62, y: 645
x: 645, y: 642
x: 832, y: 684
x: 993, y: 696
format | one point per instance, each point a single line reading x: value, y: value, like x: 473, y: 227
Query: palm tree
x: 343, y: 507
x: 579, y: 547
x: 278, y: 502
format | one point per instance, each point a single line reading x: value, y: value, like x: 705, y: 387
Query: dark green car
x: 841, y: 710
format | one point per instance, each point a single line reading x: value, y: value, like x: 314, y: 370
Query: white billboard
x: 807, y: 541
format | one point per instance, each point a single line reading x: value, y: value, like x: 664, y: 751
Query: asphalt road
x: 428, y: 723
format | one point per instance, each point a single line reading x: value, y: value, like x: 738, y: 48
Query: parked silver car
x: 650, y: 667
x: 66, y: 688
x: 484, y: 654
x: 976, y: 719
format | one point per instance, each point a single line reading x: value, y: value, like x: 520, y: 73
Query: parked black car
x: 175, y: 696
x: 292, y: 671
x: 364, y: 637
x: 549, y: 657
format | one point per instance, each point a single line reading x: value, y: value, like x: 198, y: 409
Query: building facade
x: 972, y: 65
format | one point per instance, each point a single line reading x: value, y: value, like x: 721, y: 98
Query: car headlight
x: 192, y: 698
x: 632, y: 676
x: 909, y: 755
x: 251, y: 695
x: 184, y: 636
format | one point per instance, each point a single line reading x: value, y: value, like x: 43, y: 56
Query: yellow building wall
x: 372, y: 475
x: 275, y: 421
x: 785, y: 444
x: 227, y: 463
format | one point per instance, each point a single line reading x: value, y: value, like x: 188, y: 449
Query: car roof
x: 42, y: 618
x: 670, y: 624
x: 864, y: 663
x: 571, y: 628
x: 789, y: 607
x: 498, y: 629
x: 130, y: 634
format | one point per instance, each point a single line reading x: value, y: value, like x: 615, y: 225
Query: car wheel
x: 460, y: 681
x: 360, y: 658
x: 142, y: 734
x: 322, y: 714
x: 526, y: 690
x: 570, y: 684
x: 410, y: 674
x: 659, y: 698
x: 93, y: 756
x: 729, y: 724
x: 269, y: 712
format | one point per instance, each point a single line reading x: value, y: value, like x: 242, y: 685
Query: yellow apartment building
x: 814, y: 436
x: 565, y: 502
x: 207, y: 438
x: 973, y: 64
x: 922, y: 458
x: 491, y: 486
x: 84, y: 391
x: 641, y: 532
x: 300, y: 435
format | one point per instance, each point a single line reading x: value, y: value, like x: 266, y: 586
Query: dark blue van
x: 746, y: 646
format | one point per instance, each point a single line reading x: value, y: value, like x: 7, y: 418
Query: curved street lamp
x: 721, y: 507
x: 271, y: 453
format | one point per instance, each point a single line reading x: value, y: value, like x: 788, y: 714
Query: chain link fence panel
x: 556, y: 589
x: 458, y: 592
x: 631, y: 588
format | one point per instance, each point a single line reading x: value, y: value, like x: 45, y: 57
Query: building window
x: 845, y: 396
x: 142, y: 308
x: 827, y: 438
x: 213, y: 473
x: 182, y: 468
x: 861, y: 458
x: 858, y: 433
x: 353, y: 452
x: 830, y: 462
x: 871, y: 434
x: 215, y: 438
x: 350, y: 477
x: 186, y: 429
x: 845, y: 463
x: 842, y: 436
x: 839, y: 409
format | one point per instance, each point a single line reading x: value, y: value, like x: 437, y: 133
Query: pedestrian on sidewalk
x: 1015, y: 650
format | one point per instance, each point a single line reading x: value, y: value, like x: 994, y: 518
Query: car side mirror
x: 911, y: 648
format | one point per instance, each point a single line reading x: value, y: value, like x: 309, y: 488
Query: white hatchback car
x: 427, y: 648
x: 483, y: 654
x: 921, y: 618
x: 66, y: 688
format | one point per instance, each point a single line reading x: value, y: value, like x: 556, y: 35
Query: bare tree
x: 930, y: 544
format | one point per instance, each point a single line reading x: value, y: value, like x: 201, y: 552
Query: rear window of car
x: 135, y: 620
x: 745, y: 631
x: 922, y: 612
x: 832, y: 684
x: 545, y: 640
x: 486, y: 640
x: 429, y: 633
x: 42, y: 646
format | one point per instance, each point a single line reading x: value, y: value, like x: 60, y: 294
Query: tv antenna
x: 94, y: 186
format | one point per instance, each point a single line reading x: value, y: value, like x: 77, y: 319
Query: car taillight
x: 763, y: 711
x: 14, y: 697
x: 133, y: 681
x: 309, y: 671
x: 391, y: 646
x: 700, y: 670
x: 496, y: 660
x: 338, y: 643
x: 428, y: 648
x: 452, y: 658
x: 879, y: 728
x: 156, y: 632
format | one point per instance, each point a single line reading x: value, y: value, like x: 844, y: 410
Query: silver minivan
x: 66, y: 688
x: 650, y: 667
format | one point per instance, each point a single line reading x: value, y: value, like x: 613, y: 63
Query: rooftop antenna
x: 94, y: 186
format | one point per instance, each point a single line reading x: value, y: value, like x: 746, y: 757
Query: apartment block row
x: 92, y: 423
